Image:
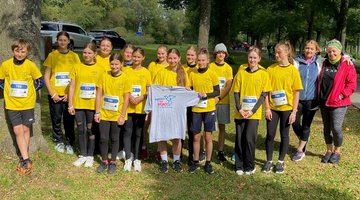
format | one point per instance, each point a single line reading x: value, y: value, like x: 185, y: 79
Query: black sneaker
x: 208, y: 168
x: 193, y: 167
x: 221, y: 157
x: 279, y: 168
x: 103, y: 165
x: 335, y: 158
x: 202, y: 156
x: 267, y: 167
x: 326, y: 157
x: 164, y: 166
x: 177, y: 166
x: 112, y: 168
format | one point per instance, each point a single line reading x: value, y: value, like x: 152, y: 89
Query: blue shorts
x: 208, y: 118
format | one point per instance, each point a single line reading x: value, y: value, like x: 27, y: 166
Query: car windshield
x: 49, y: 27
x: 96, y: 33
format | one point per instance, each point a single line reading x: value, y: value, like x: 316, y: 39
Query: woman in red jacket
x: 337, y: 81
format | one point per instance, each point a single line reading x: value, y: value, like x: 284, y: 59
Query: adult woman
x: 337, y: 81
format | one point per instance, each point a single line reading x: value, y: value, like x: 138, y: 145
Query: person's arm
x: 292, y: 117
x: 121, y: 119
x: 237, y: 100
x: 2, y: 82
x: 350, y: 83
x: 215, y: 93
x: 97, y: 104
x: 268, y: 114
x: 259, y: 102
x: 71, y: 97
x: 225, y: 91
x: 39, y: 83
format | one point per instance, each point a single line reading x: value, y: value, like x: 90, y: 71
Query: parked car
x: 116, y: 40
x: 78, y: 36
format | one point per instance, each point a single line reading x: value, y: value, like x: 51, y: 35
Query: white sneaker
x: 69, y: 149
x: 137, y: 165
x: 60, y: 147
x: 131, y: 156
x: 240, y: 172
x: 121, y: 155
x: 250, y: 172
x: 89, y: 161
x: 127, y: 166
x: 81, y: 160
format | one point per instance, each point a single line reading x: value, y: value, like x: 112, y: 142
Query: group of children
x: 106, y: 95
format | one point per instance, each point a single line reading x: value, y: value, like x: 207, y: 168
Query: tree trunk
x: 341, y: 22
x: 204, y: 26
x: 20, y: 19
x: 310, y: 24
x: 318, y: 36
x: 222, y: 34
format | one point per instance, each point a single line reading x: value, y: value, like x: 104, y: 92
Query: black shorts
x: 18, y: 117
x: 208, y: 118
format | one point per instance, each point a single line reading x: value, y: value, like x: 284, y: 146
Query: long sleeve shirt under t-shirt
x: 167, y: 105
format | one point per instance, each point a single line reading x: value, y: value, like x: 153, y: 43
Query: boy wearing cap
x: 225, y: 75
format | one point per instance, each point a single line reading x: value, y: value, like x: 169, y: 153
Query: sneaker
x: 143, y: 154
x: 120, y: 155
x: 112, y: 167
x: 335, y: 158
x: 233, y: 157
x: 189, y: 161
x: 164, y: 166
x: 25, y: 167
x: 194, y: 167
x: 89, y: 161
x: 127, y: 166
x: 250, y: 172
x: 279, y: 167
x: 177, y: 166
x: 267, y: 167
x: 298, y: 156
x: 131, y: 156
x: 60, y: 147
x: 81, y: 160
x: 103, y: 165
x: 137, y: 165
x: 202, y: 156
x: 326, y: 157
x: 239, y: 172
x: 208, y: 168
x: 221, y: 156
x: 69, y: 149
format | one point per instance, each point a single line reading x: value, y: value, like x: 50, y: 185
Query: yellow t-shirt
x: 61, y: 65
x: 224, y: 73
x: 204, y: 82
x: 167, y: 77
x: 112, y: 101
x: 103, y: 62
x: 250, y: 86
x: 86, y: 77
x: 19, y: 89
x: 284, y: 81
x: 154, y: 69
x: 244, y: 66
x: 139, y: 80
x: 189, y: 70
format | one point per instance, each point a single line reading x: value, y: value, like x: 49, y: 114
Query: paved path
x: 355, y: 98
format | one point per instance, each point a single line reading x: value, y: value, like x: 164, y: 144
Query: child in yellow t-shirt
x: 105, y: 50
x: 112, y: 99
x: 281, y: 104
x: 225, y: 75
x: 127, y: 55
x: 58, y: 66
x: 20, y: 79
x: 206, y: 83
x: 250, y: 87
x: 82, y: 93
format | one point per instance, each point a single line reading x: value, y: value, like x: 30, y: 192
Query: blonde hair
x: 255, y: 49
x: 285, y: 45
x: 162, y: 46
x: 181, y: 76
x: 313, y: 42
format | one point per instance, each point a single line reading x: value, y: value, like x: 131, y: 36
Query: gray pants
x: 333, y: 119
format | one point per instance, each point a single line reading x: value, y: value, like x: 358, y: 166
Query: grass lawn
x: 54, y: 176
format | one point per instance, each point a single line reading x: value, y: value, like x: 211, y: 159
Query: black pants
x: 109, y: 130
x: 304, y: 117
x: 84, y: 121
x: 283, y: 117
x: 189, y: 115
x: 134, y: 127
x: 57, y: 111
x: 245, y: 143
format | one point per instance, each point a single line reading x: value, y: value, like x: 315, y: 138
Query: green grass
x: 54, y: 177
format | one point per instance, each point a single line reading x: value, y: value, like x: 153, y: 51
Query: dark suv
x: 116, y: 40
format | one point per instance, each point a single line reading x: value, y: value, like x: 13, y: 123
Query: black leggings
x: 283, y: 116
x: 133, y: 133
x: 245, y: 142
x: 109, y: 129
x: 304, y: 117
x: 84, y: 120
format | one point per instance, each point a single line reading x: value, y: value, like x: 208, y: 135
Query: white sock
x: 176, y: 157
x: 280, y: 161
x: 164, y: 157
